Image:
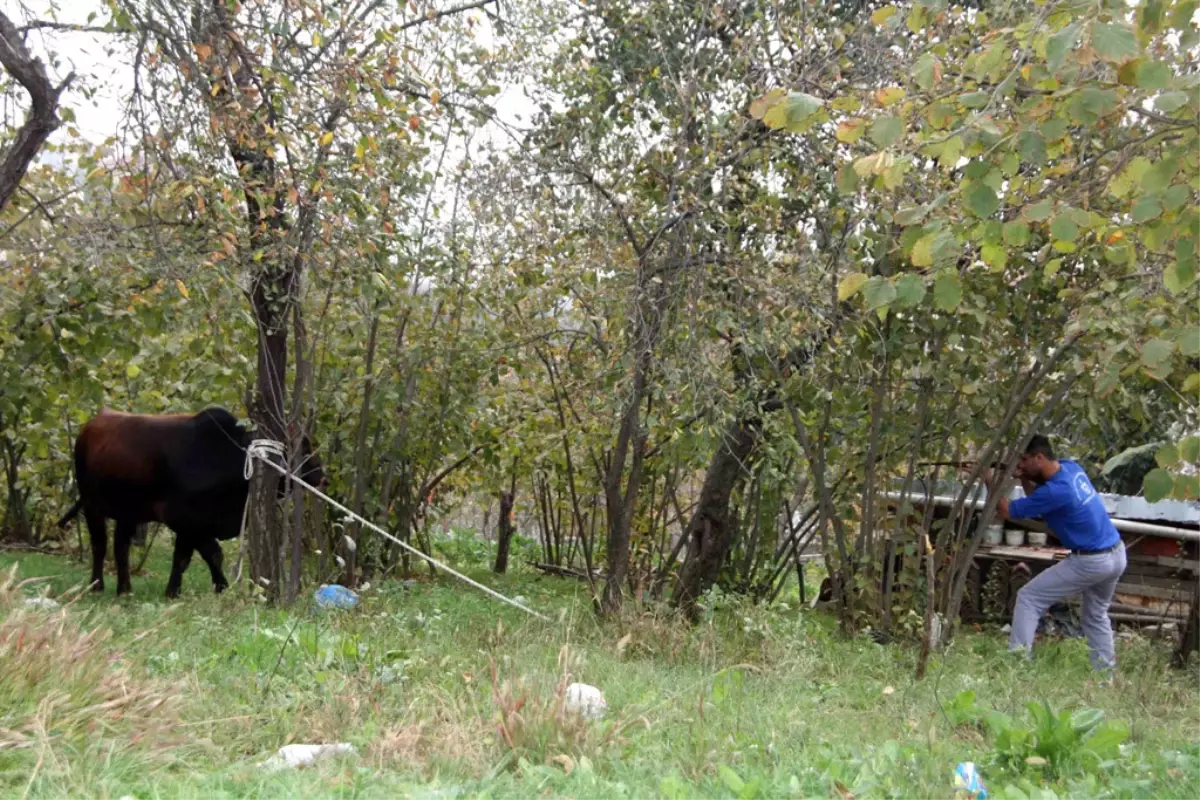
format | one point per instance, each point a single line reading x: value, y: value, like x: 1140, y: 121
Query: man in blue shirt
x: 1060, y: 493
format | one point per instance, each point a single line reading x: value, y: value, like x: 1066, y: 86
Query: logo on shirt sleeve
x: 1084, y: 492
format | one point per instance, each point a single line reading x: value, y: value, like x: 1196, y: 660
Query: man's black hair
x: 1040, y: 444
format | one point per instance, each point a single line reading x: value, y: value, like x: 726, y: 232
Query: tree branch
x: 433, y: 16
x: 42, y: 120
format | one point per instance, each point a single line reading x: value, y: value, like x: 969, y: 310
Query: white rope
x: 253, y: 452
x: 261, y: 449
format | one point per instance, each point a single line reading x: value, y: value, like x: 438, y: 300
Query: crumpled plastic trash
x: 47, y: 603
x: 587, y: 700
x: 335, y: 596
x: 967, y: 782
x: 301, y: 755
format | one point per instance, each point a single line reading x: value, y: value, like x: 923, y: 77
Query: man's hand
x: 1002, y: 509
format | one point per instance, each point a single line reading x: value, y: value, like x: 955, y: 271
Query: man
x: 1060, y: 493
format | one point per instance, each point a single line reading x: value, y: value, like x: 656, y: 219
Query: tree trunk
x: 709, y: 534
x: 504, y: 535
x: 360, y: 455
x: 1191, y: 632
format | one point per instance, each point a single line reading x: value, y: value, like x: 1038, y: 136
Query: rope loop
x: 260, y: 448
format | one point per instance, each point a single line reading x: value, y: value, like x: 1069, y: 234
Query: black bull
x: 184, y: 471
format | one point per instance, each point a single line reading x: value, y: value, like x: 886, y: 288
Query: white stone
x: 300, y: 755
x: 587, y: 700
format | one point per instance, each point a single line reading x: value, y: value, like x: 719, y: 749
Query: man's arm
x: 1042, y: 500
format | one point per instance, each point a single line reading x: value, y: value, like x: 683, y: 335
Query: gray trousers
x: 1092, y: 576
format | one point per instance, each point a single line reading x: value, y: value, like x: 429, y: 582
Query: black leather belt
x: 1095, y: 552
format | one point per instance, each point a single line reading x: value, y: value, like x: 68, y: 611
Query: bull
x: 184, y: 471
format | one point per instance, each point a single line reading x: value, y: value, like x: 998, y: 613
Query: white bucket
x: 1014, y: 537
x: 993, y: 535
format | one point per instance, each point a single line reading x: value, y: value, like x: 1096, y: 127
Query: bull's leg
x: 210, y: 550
x: 98, y: 533
x: 179, y: 562
x: 122, y: 538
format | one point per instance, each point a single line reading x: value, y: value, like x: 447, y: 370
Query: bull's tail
x: 71, y: 513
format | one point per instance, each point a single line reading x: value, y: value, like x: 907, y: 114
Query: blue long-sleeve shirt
x: 1070, y: 506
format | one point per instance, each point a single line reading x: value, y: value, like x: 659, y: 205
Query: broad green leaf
x: 1032, y: 147
x: 1177, y: 277
x: 1157, y: 485
x: 1052, y: 268
x: 890, y: 95
x: 1176, y: 197
x: 1171, y: 102
x: 1146, y: 209
x: 1061, y: 43
x: 1113, y: 41
x: 850, y: 285
x: 1156, y: 351
x: 1167, y: 456
x: 910, y: 290
x: 1191, y: 384
x: 974, y: 100
x: 1188, y: 339
x: 1189, y: 449
x: 879, y: 292
x: 1064, y: 228
x: 133, y: 370
x: 927, y: 72
x: 886, y: 130
x: 847, y: 179
x: 1187, y: 487
x: 762, y: 105
x: 947, y: 291
x: 793, y: 112
x: 1153, y: 75
x: 951, y: 153
x: 982, y: 201
x: 1016, y: 234
x: 911, y: 215
x: 1040, y: 211
x: 1157, y: 175
x: 994, y: 255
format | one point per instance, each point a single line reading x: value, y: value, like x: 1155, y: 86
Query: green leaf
x: 847, y: 179
x: 1176, y: 197
x: 951, y: 153
x: 1032, y: 147
x: 133, y: 370
x: 879, y: 293
x: 1167, y: 456
x: 1171, y: 102
x: 850, y: 285
x: 926, y: 71
x: 1187, y: 487
x: 1106, y: 739
x: 1064, y: 228
x: 1191, y: 384
x: 1156, y: 351
x: 1177, y: 277
x: 1189, y: 449
x: 1039, y: 212
x: 994, y: 255
x: 1188, y: 339
x: 1061, y: 43
x: 982, y: 200
x: 730, y: 779
x: 1016, y: 234
x: 922, y: 254
x: 1113, y: 42
x: 1146, y: 209
x: 1157, y: 485
x: 910, y: 290
x: 1153, y: 75
x: 974, y: 100
x: 886, y: 130
x: 947, y: 291
x: 793, y: 112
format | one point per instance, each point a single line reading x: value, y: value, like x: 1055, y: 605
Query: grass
x: 448, y: 694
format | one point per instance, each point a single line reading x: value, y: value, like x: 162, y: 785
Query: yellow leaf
x: 133, y: 370
x: 882, y: 15
x: 316, y: 39
x: 763, y: 104
x: 326, y: 138
x: 922, y: 254
x: 203, y: 51
x: 849, y: 285
x: 850, y: 131
x: 890, y: 95
x: 435, y: 96
x: 183, y: 290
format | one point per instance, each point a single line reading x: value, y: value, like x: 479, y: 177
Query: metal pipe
x: 1129, y: 526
